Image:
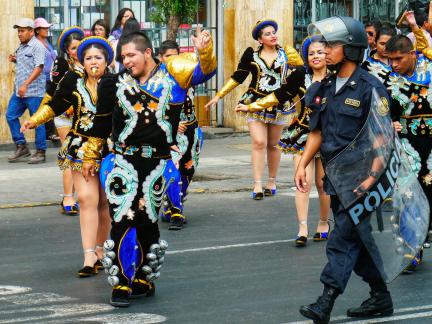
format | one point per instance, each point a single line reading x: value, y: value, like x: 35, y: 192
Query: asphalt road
x: 234, y: 262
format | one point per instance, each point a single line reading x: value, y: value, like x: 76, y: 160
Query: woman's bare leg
x: 274, y: 133
x: 68, y: 199
x: 323, y: 197
x: 104, y: 224
x: 88, y: 197
x: 302, y: 198
x: 258, y: 133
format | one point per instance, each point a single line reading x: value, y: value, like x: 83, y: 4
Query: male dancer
x: 149, y: 97
x: 189, y: 142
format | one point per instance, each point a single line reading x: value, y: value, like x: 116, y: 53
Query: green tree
x: 172, y: 13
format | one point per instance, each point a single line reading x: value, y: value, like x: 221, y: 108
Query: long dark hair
x: 101, y: 22
x: 117, y: 23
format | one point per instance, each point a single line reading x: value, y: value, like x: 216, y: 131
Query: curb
x: 193, y: 191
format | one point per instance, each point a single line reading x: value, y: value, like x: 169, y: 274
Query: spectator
x: 131, y: 25
x: 100, y: 28
x: 41, y: 32
x: 422, y: 21
x: 29, y: 88
x: 119, y: 23
x: 371, y: 29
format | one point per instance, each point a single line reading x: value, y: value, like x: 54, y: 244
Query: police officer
x: 340, y: 106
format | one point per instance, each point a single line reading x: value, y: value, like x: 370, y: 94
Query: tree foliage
x: 172, y: 13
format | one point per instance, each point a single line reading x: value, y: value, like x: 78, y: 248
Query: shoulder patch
x: 383, y: 106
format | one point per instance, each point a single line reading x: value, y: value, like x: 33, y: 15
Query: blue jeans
x: 15, y: 110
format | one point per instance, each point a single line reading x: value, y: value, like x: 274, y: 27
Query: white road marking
x: 66, y: 313
x: 11, y: 290
x: 122, y: 318
x: 223, y: 247
x: 416, y: 312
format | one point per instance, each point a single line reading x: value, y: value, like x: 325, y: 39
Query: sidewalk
x: 224, y: 167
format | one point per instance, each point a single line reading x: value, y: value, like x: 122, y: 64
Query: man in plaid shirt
x: 29, y: 89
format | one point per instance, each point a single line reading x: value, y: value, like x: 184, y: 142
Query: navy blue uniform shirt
x: 341, y: 115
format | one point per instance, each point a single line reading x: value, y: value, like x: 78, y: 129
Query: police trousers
x: 346, y: 253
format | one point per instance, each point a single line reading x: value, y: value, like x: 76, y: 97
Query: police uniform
x: 340, y: 115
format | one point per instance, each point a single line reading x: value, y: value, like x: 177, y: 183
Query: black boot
x: 120, y: 296
x: 320, y: 311
x: 379, y: 304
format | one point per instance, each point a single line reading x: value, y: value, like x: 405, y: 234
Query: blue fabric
x: 15, y: 110
x: 106, y: 167
x: 127, y: 254
x: 95, y: 40
x: 260, y: 24
x: 199, y: 77
x: 346, y: 252
x: 174, y: 188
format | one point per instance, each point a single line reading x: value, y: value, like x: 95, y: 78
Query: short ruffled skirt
x: 72, y: 152
x: 279, y: 115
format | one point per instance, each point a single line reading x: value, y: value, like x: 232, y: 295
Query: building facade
x: 230, y: 22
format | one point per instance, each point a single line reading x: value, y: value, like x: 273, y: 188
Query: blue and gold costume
x: 136, y: 176
x: 411, y: 106
x: 377, y: 68
x: 190, y: 144
x: 91, y: 123
x: 265, y: 80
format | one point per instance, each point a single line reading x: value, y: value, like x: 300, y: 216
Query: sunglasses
x: 370, y: 33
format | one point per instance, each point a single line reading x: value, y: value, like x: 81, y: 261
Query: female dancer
x: 267, y: 64
x: 68, y: 44
x: 100, y: 28
x: 378, y: 63
x: 85, y: 143
x: 293, y: 141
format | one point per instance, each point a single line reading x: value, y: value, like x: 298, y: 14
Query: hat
x: 65, y: 33
x: 261, y: 24
x: 41, y: 23
x: 86, y: 42
x: 24, y: 22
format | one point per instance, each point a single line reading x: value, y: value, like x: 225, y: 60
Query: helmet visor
x: 331, y: 30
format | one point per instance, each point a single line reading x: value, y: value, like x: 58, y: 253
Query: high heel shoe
x: 257, y: 195
x: 98, y: 264
x: 270, y: 192
x: 322, y: 236
x: 301, y: 240
x: 68, y: 210
x: 88, y: 271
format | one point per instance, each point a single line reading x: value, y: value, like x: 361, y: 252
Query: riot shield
x: 375, y: 183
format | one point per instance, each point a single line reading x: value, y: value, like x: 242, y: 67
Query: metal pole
x: 220, y: 58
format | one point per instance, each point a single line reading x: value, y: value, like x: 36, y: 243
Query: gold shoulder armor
x: 181, y: 68
x: 294, y: 58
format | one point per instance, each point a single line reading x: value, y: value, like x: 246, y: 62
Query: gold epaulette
x: 227, y: 88
x: 264, y: 103
x: 294, y: 58
x: 42, y: 115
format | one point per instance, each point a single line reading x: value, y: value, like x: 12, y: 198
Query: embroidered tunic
x: 265, y: 80
x: 377, y: 68
x: 411, y: 106
x: 91, y: 125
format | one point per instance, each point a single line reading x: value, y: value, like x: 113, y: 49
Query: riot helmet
x: 344, y: 30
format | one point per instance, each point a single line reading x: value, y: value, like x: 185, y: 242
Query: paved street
x: 234, y: 262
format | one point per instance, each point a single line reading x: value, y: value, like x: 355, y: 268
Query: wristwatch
x: 373, y: 174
